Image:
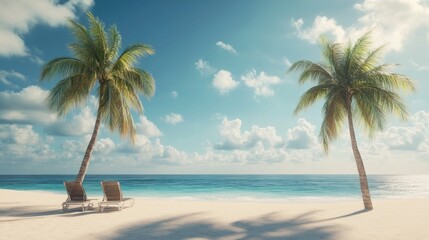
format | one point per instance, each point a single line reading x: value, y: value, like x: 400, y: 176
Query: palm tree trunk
x: 359, y: 163
x: 87, y: 157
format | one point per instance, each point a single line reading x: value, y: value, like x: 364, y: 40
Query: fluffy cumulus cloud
x: 173, y: 118
x: 20, y: 144
x: 15, y: 134
x: 204, y: 67
x: 302, y: 136
x: 226, y: 47
x: 17, y: 17
x: 261, y: 83
x: 28, y: 106
x: 264, y: 145
x: 224, y: 82
x: 321, y: 25
x: 9, y: 77
x: 80, y: 124
x: 234, y: 138
x: 393, y: 22
x: 147, y: 128
x: 104, y: 146
x: 411, y: 138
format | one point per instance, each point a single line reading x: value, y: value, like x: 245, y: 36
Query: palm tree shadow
x: 30, y: 212
x: 345, y: 215
x: 199, y: 226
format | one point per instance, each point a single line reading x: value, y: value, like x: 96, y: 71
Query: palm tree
x: 355, y: 87
x: 97, y: 60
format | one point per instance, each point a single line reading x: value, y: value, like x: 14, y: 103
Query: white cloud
x: 321, y: 25
x: 173, y: 118
x: 147, y: 128
x: 261, y: 83
x: 414, y: 136
x: 20, y: 144
x: 223, y: 81
x: 261, y: 144
x: 230, y: 131
x: 204, y: 67
x: 411, y: 140
x: 174, y: 94
x: 287, y: 62
x: 233, y: 138
x: 80, y: 124
x: 393, y: 22
x: 303, y: 136
x: 29, y: 107
x: 17, y: 17
x: 226, y: 47
x: 104, y: 146
x: 25, y: 107
x: 15, y: 134
x: 5, y: 77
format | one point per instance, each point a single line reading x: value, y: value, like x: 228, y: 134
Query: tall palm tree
x: 355, y: 87
x: 97, y: 63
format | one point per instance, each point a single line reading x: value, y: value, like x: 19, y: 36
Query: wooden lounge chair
x: 113, y: 196
x: 76, y: 196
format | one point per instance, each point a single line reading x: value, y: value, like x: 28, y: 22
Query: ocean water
x: 235, y: 187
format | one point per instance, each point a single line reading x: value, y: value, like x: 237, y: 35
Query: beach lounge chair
x: 113, y: 196
x: 76, y: 196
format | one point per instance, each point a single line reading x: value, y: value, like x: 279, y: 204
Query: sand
x: 38, y: 215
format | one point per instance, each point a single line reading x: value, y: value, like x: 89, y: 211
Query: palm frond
x: 64, y: 67
x: 367, y: 110
x: 313, y: 94
x: 311, y: 72
x: 390, y: 81
x: 130, y: 55
x: 70, y: 92
x: 99, y: 37
x: 128, y: 93
x: 114, y: 43
x: 83, y: 47
x: 141, y: 80
x: 334, y: 113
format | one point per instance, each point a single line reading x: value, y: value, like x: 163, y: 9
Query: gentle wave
x: 267, y: 188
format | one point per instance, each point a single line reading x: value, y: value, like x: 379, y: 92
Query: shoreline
x: 244, y: 199
x: 38, y: 215
x: 250, y: 198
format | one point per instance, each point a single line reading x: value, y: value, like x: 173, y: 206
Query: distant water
x: 235, y: 187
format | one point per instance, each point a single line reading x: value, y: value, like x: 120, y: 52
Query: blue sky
x: 224, y: 100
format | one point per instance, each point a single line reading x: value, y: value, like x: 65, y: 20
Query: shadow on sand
x: 198, y: 226
x: 30, y: 212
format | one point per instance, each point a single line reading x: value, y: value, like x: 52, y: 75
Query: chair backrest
x: 75, y: 191
x: 112, y: 190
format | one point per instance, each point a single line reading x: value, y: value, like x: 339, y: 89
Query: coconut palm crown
x: 98, y: 64
x: 354, y: 88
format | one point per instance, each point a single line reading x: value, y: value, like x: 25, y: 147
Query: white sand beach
x: 38, y: 215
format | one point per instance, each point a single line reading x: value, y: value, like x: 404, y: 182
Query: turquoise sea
x: 235, y: 187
